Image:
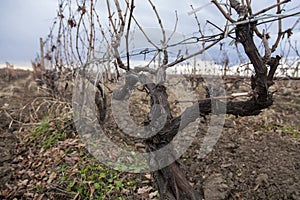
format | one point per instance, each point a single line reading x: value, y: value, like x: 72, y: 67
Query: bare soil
x: 256, y: 157
x: 14, y: 94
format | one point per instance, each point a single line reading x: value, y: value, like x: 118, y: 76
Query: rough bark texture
x: 262, y: 80
x: 244, y: 35
x: 170, y: 180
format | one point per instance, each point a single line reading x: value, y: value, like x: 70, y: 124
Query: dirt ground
x: 14, y: 94
x: 256, y: 157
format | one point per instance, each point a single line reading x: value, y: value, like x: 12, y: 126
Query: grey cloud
x: 22, y: 22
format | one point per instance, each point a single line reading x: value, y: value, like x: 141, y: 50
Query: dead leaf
x: 144, y: 189
x: 125, y: 191
x: 40, y: 197
x: 23, y: 182
x: 153, y: 194
x: 52, y: 177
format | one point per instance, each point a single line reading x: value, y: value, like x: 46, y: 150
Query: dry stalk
x: 279, y: 33
x: 13, y: 120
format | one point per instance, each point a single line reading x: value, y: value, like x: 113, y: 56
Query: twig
x: 197, y: 20
x: 77, y: 37
x: 131, y: 7
x: 17, y: 121
x: 279, y: 34
x: 56, y: 187
x: 223, y: 11
x: 163, y: 41
x: 175, y: 28
x: 112, y: 23
x: 249, y: 7
x: 159, y: 22
x: 198, y: 9
x: 214, y: 25
x: 122, y: 26
x: 270, y: 7
x: 144, y: 33
x: 181, y: 59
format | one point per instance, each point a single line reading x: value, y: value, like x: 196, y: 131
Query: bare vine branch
x: 279, y: 34
x: 226, y: 15
x: 270, y: 7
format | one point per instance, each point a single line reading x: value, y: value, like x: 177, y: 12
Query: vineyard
x: 116, y: 109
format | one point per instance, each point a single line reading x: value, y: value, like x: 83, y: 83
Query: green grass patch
x: 292, y: 131
x: 41, y: 129
x: 76, y: 171
x: 47, y: 133
x: 284, y: 129
x: 100, y: 182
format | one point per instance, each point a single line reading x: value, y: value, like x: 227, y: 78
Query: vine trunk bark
x: 171, y: 180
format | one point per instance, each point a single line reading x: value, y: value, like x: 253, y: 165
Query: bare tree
x: 244, y: 29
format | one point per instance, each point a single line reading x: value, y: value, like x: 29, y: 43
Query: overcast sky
x: 22, y: 22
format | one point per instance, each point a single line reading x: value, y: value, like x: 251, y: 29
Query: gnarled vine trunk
x: 170, y: 180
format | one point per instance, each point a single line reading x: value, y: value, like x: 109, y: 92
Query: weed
x: 291, y: 130
x: 87, y: 179
x: 42, y: 129
x: 270, y: 127
x: 51, y: 138
x: 48, y: 133
x: 99, y: 181
x: 285, y: 129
